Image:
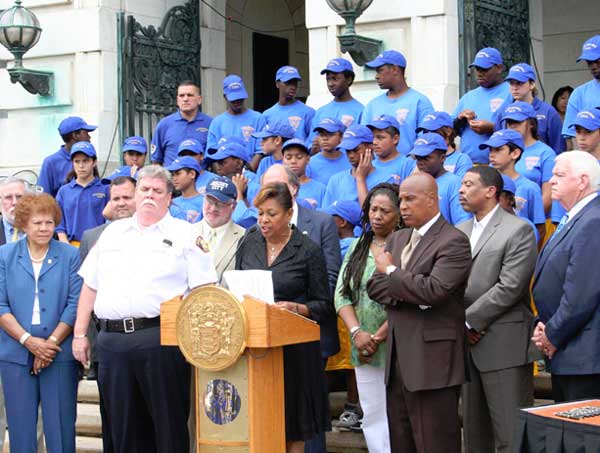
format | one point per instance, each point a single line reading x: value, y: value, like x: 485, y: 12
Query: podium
x: 239, y: 408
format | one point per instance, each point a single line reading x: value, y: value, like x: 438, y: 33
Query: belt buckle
x: 128, y: 325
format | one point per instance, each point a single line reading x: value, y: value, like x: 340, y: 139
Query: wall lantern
x: 360, y: 48
x: 19, y: 31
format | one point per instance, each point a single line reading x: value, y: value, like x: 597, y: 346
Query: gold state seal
x: 211, y: 328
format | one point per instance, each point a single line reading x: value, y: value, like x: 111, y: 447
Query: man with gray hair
x: 565, y: 285
x: 138, y: 263
x: 11, y: 191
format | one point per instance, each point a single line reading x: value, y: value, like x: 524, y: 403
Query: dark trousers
x: 145, y: 389
x: 424, y: 421
x: 318, y: 443
x: 575, y: 387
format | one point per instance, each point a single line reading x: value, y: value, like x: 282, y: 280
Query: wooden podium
x: 241, y: 408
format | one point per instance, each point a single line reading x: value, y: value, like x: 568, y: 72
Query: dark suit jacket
x: 89, y: 239
x: 321, y: 228
x: 429, y: 344
x: 566, y: 292
x: 2, y: 235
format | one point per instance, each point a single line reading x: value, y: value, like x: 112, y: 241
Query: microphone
x: 248, y: 232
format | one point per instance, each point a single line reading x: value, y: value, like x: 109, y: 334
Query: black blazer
x: 299, y: 273
x: 2, y: 235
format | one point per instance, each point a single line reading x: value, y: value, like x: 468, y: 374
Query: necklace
x: 378, y: 244
x: 274, y: 250
x: 37, y: 260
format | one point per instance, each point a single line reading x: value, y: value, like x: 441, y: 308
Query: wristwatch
x: 391, y: 268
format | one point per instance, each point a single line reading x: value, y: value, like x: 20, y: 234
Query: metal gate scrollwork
x: 152, y: 63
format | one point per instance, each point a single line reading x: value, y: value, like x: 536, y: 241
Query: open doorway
x: 269, y: 53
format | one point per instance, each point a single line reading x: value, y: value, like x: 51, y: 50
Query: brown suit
x: 426, y: 358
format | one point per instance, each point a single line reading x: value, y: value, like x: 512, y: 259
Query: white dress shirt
x: 425, y: 228
x: 205, y: 230
x: 134, y: 270
x: 479, y: 226
x: 580, y: 205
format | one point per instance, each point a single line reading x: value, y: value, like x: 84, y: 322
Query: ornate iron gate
x: 152, y: 62
x: 503, y: 24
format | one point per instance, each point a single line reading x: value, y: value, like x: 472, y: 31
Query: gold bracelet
x: 53, y: 339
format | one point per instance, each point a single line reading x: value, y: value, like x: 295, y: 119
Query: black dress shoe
x: 92, y: 372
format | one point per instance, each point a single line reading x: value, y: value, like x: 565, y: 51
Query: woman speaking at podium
x: 300, y: 285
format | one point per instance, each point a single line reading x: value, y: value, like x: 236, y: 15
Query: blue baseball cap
x: 72, y: 124
x: 433, y: 121
x: 229, y: 149
x: 348, y: 210
x: 338, y: 65
x: 135, y: 143
x: 124, y: 170
x: 276, y: 129
x: 588, y: 119
x: 383, y: 122
x: 295, y: 142
x: 591, y: 49
x: 504, y: 137
x: 521, y: 72
x: 190, y: 144
x: 184, y: 162
x: 233, y: 88
x: 354, y: 136
x: 518, y: 111
x: 486, y: 58
x: 508, y: 185
x: 427, y: 143
x: 221, y: 188
x: 83, y: 147
x: 387, y: 57
x: 330, y: 125
x: 287, y: 73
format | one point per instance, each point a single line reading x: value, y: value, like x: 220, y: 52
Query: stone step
x: 88, y: 392
x: 88, y: 420
x: 88, y: 444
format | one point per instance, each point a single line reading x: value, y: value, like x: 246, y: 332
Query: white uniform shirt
x: 134, y: 270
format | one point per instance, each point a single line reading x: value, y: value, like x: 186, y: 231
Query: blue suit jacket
x: 567, y: 294
x: 321, y: 228
x: 58, y: 289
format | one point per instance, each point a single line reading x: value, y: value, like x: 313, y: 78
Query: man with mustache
x: 138, y: 263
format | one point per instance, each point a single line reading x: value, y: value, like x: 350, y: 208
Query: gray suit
x: 497, y: 303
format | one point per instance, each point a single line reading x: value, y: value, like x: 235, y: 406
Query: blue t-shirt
x: 557, y: 211
x: 312, y: 192
x: 172, y: 130
x: 448, y: 186
x: 348, y: 112
x: 584, y: 97
x: 345, y: 245
x: 487, y: 103
x: 536, y: 163
x: 265, y: 163
x: 535, y: 230
x: 342, y: 186
x: 242, y: 125
x: 528, y: 198
x: 188, y: 209
x: 458, y: 163
x: 321, y: 169
x: 54, y: 171
x: 396, y: 170
x: 298, y: 115
x: 409, y: 109
x: 81, y: 207
x: 203, y: 180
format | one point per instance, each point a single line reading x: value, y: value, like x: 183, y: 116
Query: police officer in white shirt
x: 137, y: 264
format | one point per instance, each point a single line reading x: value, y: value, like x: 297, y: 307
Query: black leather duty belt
x: 128, y: 325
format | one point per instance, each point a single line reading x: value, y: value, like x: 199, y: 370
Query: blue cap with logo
x: 297, y: 143
x: 383, y: 122
x: 504, y: 137
x: 427, y: 143
x: 83, y: 147
x: 330, y: 125
x: 588, y: 119
x: 74, y: 123
x: 276, y: 129
x: 387, y: 57
x: 338, y: 65
x: 434, y: 121
x: 229, y: 149
x: 486, y: 58
x: 521, y: 72
x: 508, y: 185
x: 348, y: 210
x: 190, y: 144
x: 287, y: 73
x: 221, y: 188
x: 354, y: 136
x: 124, y: 170
x: 590, y: 50
x: 135, y: 143
x: 518, y: 111
x: 184, y: 162
x: 233, y: 88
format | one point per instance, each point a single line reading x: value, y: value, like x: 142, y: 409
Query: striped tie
x: 560, y: 226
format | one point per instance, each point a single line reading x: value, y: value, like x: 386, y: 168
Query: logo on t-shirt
x: 520, y: 202
x: 294, y: 121
x: 495, y: 104
x: 247, y: 132
x: 347, y: 120
x: 531, y: 162
x: 401, y: 115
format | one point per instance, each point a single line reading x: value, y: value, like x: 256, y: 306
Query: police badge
x: 202, y: 244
